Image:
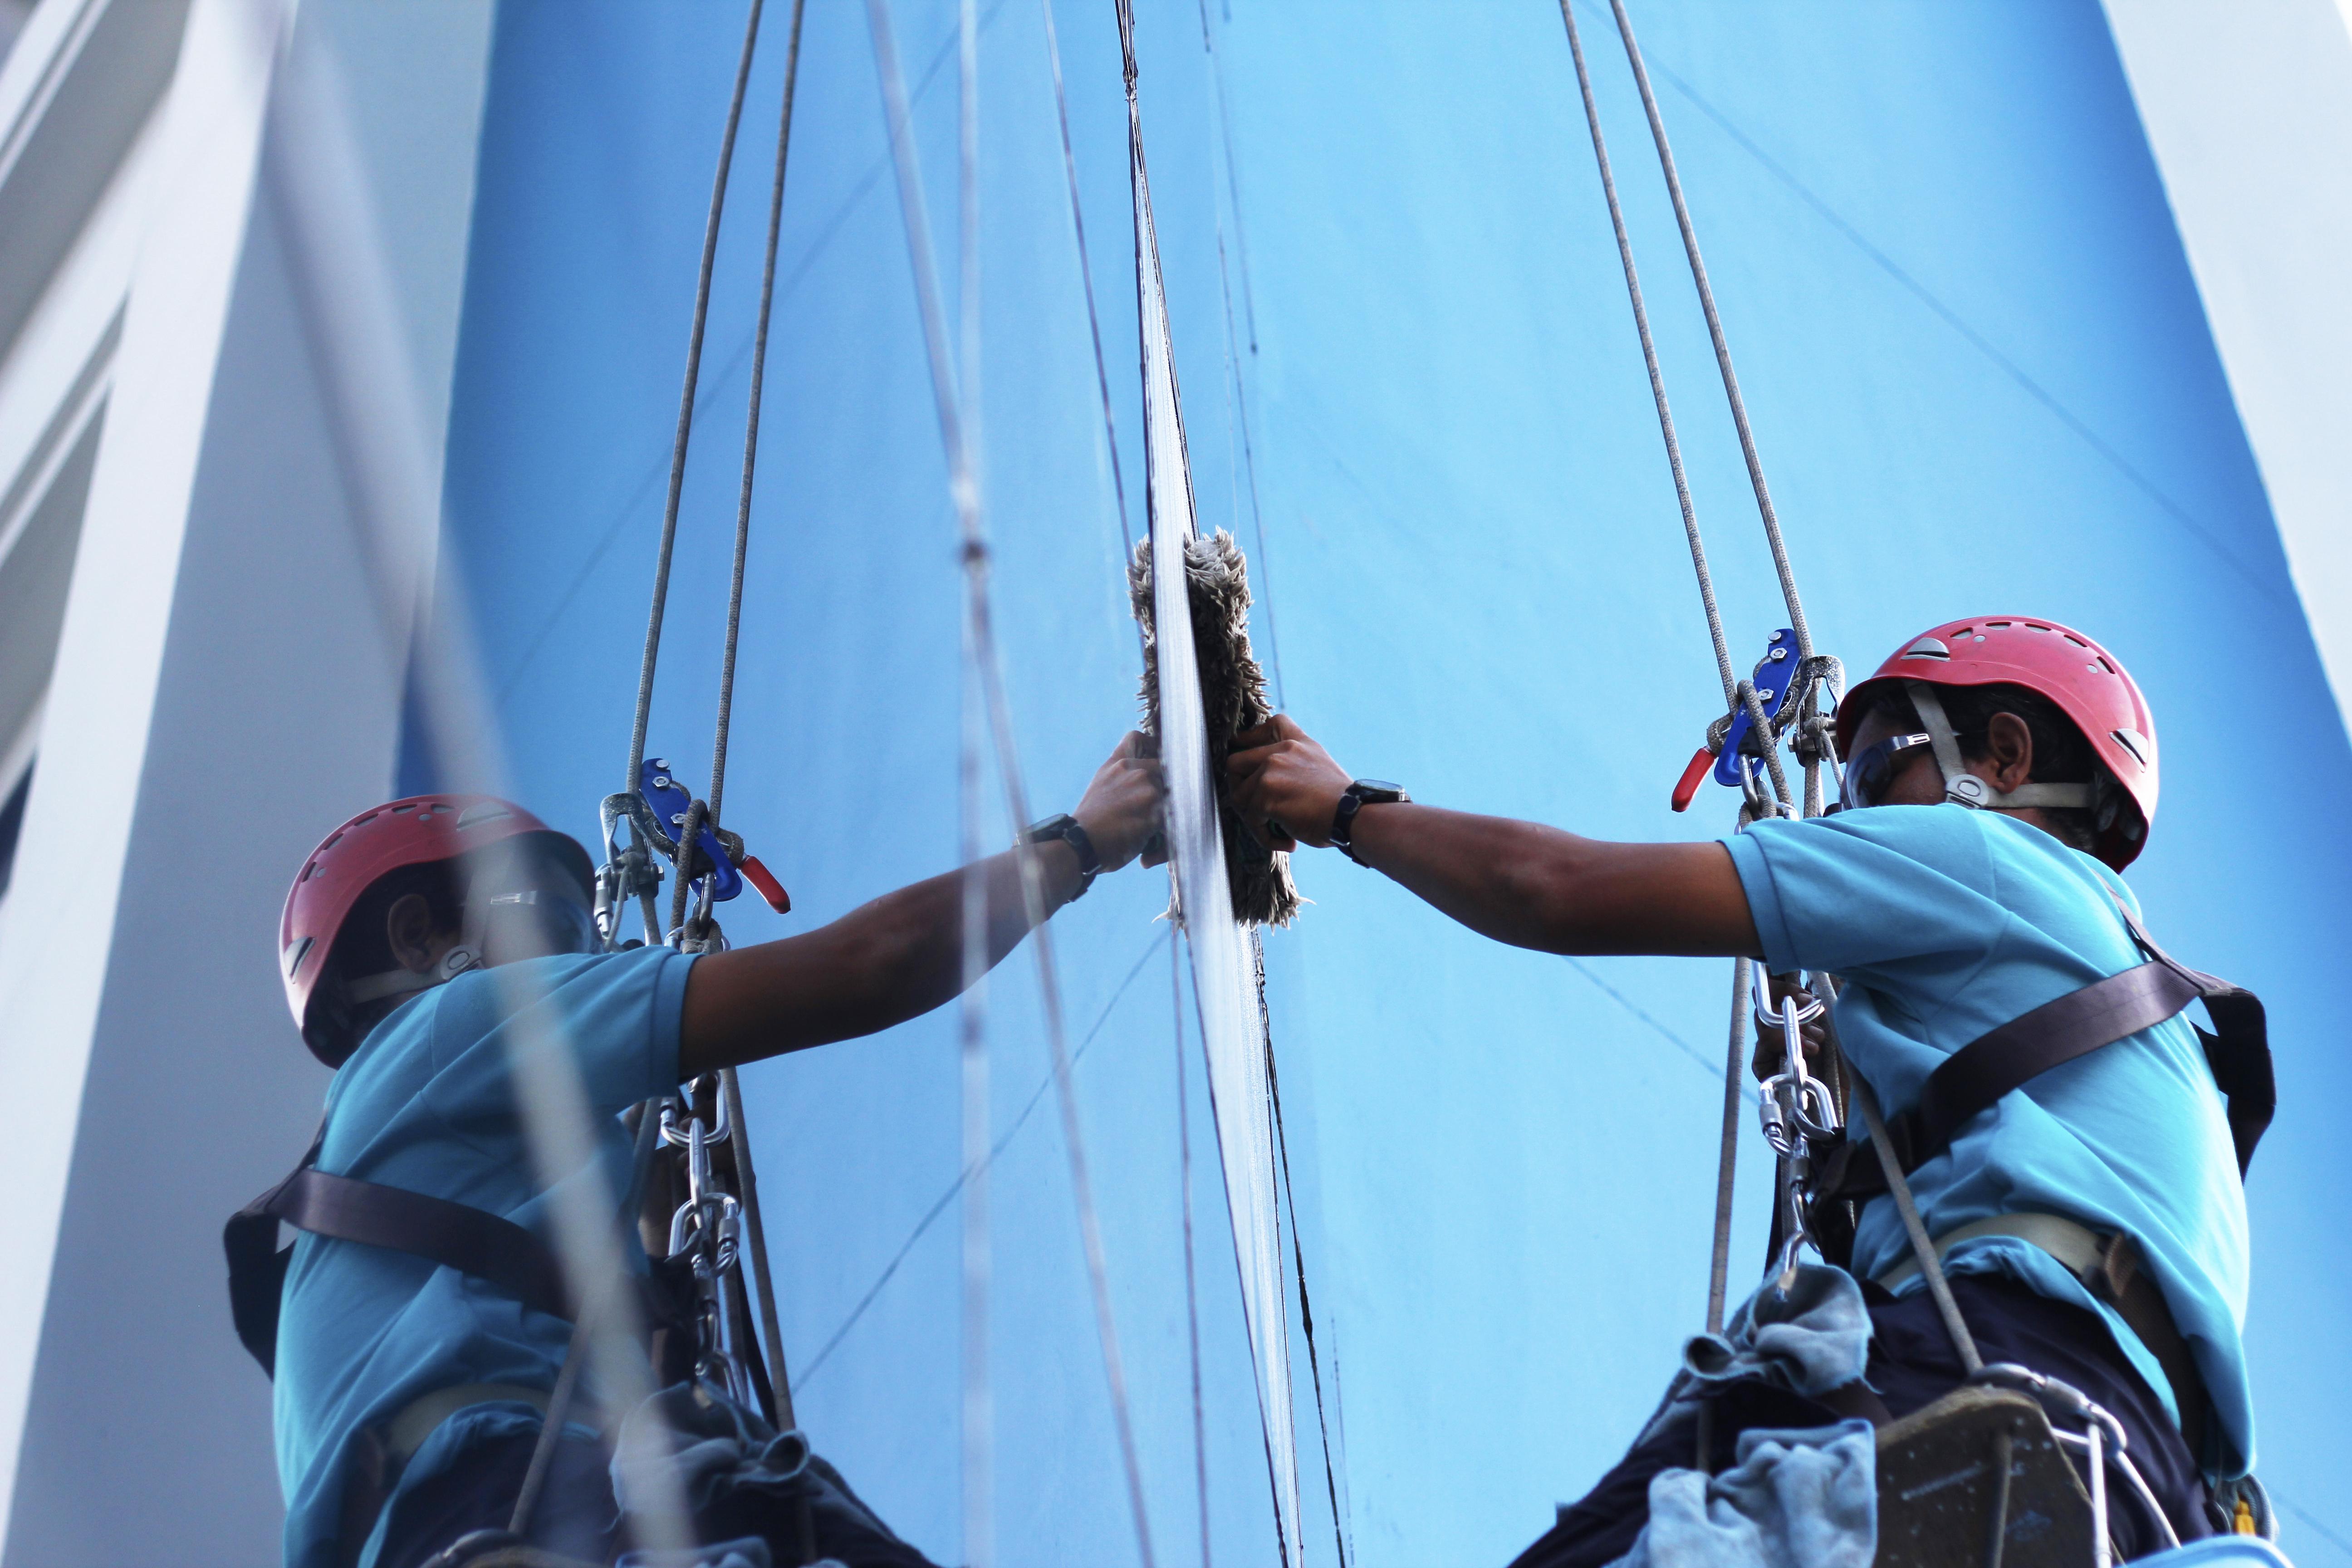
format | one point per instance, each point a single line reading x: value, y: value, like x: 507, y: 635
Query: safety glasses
x: 1868, y: 774
x: 537, y: 924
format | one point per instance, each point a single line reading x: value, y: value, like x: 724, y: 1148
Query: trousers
x: 1911, y: 1364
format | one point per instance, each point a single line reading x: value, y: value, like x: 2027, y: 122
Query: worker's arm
x: 1519, y: 882
x: 901, y: 956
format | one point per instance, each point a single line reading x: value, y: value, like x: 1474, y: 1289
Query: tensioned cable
x: 752, y: 416
x: 1299, y: 1254
x: 1737, y: 693
x: 686, y: 404
x: 1714, y: 331
x: 1650, y: 358
x: 1191, y: 1269
x: 964, y: 491
x: 699, y: 815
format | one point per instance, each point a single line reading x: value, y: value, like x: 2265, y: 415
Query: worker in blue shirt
x: 1999, y: 773
x: 439, y: 953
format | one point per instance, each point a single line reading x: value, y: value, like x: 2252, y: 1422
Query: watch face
x: 1367, y: 788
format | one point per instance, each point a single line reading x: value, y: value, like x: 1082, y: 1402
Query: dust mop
x: 1232, y: 699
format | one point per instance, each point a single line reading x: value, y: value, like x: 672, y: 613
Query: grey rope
x: 1930, y: 1266
x: 1714, y: 331
x: 1719, y: 1270
x: 1759, y: 723
x: 699, y: 815
x: 685, y: 405
x: 751, y: 421
x: 964, y: 491
x: 756, y: 1234
x: 1650, y: 358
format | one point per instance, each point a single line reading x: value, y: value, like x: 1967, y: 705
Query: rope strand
x: 752, y: 417
x: 964, y: 491
x: 685, y: 404
x: 1714, y: 331
x: 1650, y: 358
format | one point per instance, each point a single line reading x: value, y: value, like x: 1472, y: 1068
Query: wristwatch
x: 1064, y: 827
x: 1358, y: 794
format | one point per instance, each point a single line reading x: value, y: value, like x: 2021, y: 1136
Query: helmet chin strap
x: 467, y: 954
x: 1964, y: 788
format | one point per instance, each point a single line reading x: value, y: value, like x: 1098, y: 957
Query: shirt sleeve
x: 1892, y: 894
x: 615, y: 1016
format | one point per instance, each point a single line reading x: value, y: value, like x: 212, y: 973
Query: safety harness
x: 2005, y: 1059
x: 456, y: 1235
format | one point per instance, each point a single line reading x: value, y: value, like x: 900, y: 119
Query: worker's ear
x: 2009, y: 752
x: 408, y: 928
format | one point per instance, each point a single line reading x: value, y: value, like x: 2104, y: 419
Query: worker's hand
x: 1283, y: 785
x: 1123, y: 808
x: 1771, y: 1051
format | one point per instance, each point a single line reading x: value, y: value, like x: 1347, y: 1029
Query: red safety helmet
x: 2082, y: 678
x: 421, y: 830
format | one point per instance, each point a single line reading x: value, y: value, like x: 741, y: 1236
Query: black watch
x: 1064, y: 827
x: 1361, y: 793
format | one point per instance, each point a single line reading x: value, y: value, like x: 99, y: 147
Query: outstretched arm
x: 901, y: 956
x: 1519, y: 882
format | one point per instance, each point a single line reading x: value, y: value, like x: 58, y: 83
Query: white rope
x: 964, y: 490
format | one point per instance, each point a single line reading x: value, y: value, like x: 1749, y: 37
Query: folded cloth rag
x: 1793, y: 1500
x: 1813, y: 1340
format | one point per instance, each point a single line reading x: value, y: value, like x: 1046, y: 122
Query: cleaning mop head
x: 1232, y: 699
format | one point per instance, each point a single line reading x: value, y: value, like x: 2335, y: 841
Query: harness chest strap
x: 456, y: 1235
x: 1975, y: 1077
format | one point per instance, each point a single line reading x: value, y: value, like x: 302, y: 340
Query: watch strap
x: 1070, y: 831
x: 1359, y: 794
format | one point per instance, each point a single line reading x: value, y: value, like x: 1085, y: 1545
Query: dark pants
x: 577, y: 1516
x: 1911, y: 1364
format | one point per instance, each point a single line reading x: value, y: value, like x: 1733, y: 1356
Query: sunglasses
x: 1868, y: 774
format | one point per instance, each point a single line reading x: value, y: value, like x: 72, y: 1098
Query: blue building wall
x: 1981, y: 381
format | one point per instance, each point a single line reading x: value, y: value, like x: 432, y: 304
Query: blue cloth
x: 1793, y: 1500
x: 1944, y: 922
x: 428, y: 1102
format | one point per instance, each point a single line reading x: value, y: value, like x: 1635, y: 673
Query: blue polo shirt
x: 429, y: 1102
x: 1944, y: 922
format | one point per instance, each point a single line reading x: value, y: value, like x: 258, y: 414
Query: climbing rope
x: 1715, y: 331
x: 1650, y: 358
x: 964, y: 493
x: 709, y: 1227
x: 686, y: 400
x: 1798, y: 1112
